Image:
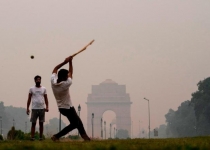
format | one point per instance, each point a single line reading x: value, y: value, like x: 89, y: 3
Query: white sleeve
x: 30, y: 90
x: 53, y: 77
x: 69, y: 81
x: 45, y: 91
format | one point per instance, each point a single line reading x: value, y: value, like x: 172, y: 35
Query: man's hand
x: 27, y: 111
x: 46, y: 109
x: 68, y: 59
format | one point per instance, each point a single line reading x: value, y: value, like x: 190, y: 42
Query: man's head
x: 37, y: 80
x: 63, y: 74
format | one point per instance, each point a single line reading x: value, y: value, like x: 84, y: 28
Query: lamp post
x: 114, y: 132
x: 1, y: 124
x: 13, y: 122
x: 59, y: 122
x: 110, y: 130
x: 92, y: 125
x: 149, y: 116
x: 79, y: 109
x: 105, y: 129
x: 101, y: 128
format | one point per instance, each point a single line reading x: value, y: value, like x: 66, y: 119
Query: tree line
x: 192, y: 118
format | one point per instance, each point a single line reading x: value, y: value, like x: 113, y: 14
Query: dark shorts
x: 37, y: 113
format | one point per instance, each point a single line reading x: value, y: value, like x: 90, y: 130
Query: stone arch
x: 108, y: 95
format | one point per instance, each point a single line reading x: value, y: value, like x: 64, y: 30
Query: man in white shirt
x: 60, y: 85
x: 38, y: 96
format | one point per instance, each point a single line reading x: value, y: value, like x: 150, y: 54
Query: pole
x: 79, y: 109
x: 110, y: 130
x: 114, y: 133
x: 92, y: 125
x: 105, y: 129
x: 101, y: 128
x: 13, y: 122
x: 149, y: 116
x: 60, y: 122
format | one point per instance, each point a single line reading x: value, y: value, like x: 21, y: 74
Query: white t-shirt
x: 37, y: 97
x: 61, y: 91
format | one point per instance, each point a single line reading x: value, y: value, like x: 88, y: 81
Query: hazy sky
x: 159, y: 49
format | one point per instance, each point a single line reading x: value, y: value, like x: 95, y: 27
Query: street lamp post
x: 101, y: 128
x: 59, y: 122
x: 110, y: 130
x: 92, y: 125
x: 149, y: 116
x: 1, y: 124
x: 79, y: 109
x: 105, y: 129
x: 13, y: 122
x: 114, y: 132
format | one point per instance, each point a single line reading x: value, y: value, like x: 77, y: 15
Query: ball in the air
x: 32, y: 57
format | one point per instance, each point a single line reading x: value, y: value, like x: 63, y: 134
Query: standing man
x: 60, y: 85
x: 38, y: 96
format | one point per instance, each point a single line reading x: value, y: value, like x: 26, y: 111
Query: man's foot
x: 85, y: 137
x: 54, y: 138
x: 32, y: 139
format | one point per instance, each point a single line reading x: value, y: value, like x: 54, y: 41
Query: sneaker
x: 54, y: 138
x: 32, y: 139
x: 85, y: 137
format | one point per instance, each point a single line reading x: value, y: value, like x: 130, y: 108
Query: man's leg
x: 33, y: 126
x: 41, y: 122
x: 40, y: 130
x: 33, y: 121
x: 67, y: 129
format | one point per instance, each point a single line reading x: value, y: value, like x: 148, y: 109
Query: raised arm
x: 28, y: 103
x: 70, y: 68
x: 55, y: 70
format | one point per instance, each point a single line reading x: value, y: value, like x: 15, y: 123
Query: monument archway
x: 108, y: 95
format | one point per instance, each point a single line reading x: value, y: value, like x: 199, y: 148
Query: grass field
x: 196, y: 143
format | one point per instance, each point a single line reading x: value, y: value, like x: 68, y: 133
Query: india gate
x: 108, y: 95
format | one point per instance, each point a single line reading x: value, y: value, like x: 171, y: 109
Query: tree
x: 201, y: 102
x: 181, y: 123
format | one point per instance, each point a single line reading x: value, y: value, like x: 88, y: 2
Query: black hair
x: 36, y: 77
x: 63, y: 73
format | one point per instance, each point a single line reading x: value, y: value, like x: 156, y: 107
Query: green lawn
x: 196, y: 143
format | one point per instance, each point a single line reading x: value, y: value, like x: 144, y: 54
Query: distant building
x: 108, y: 95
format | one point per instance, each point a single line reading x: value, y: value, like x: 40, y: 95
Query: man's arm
x: 55, y: 70
x: 70, y: 67
x: 46, y: 103
x: 28, y: 103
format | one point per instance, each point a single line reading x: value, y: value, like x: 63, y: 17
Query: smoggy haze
x: 158, y: 49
